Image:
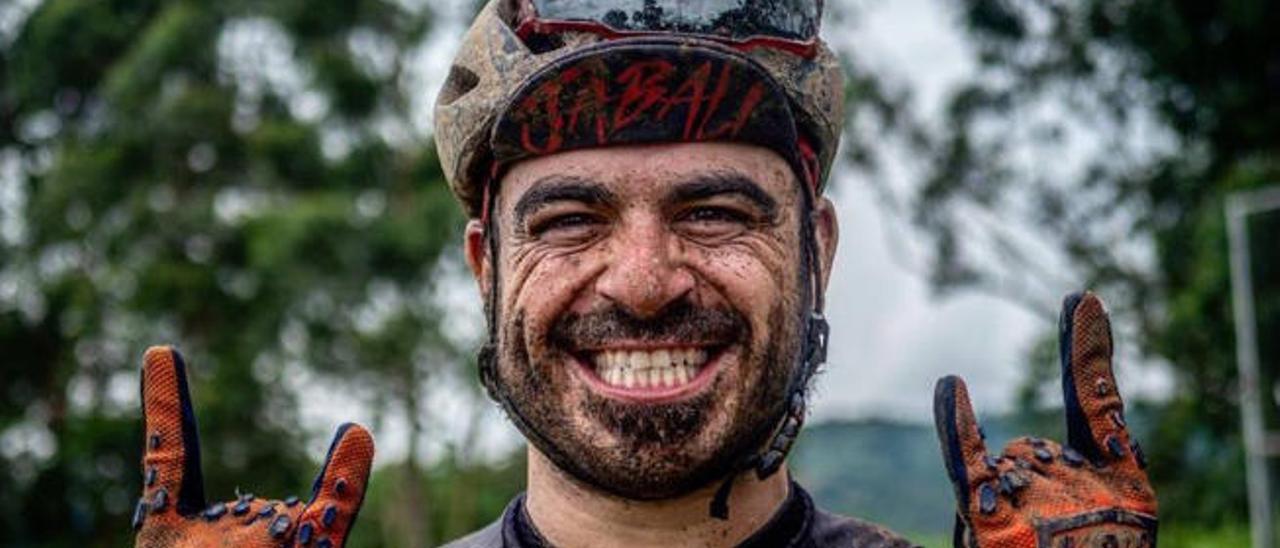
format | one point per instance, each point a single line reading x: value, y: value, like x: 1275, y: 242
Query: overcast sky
x: 890, y: 338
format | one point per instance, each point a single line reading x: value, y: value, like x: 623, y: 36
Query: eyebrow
x: 720, y: 183
x: 560, y: 188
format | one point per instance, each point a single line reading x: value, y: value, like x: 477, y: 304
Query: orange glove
x: 172, y: 510
x: 1037, y: 493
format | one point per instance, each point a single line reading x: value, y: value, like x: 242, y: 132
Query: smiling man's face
x: 650, y: 303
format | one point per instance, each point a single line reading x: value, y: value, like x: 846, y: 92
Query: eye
x: 710, y: 214
x: 713, y: 221
x: 566, y: 228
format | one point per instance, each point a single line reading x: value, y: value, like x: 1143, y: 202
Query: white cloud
x: 891, y: 339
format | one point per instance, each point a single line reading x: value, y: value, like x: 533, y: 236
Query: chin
x: 658, y: 451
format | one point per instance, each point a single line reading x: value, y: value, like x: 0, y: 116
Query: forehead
x: 650, y: 170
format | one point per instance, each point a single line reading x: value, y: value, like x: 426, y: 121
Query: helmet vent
x: 540, y: 43
x: 461, y: 80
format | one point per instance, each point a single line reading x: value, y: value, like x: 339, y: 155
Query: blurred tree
x: 1094, y: 144
x: 243, y: 180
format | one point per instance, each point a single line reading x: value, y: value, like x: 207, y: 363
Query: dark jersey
x: 798, y: 524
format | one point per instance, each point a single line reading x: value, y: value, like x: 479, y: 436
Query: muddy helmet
x: 535, y: 77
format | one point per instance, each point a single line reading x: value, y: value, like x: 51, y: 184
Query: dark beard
x: 651, y: 458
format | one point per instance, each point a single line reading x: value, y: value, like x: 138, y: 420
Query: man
x: 650, y: 238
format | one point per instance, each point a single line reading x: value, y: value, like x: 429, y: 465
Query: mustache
x: 681, y: 321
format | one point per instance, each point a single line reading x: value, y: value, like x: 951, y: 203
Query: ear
x: 827, y: 229
x: 477, y: 251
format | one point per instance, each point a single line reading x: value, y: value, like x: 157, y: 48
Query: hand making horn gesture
x: 1091, y: 492
x: 172, y: 510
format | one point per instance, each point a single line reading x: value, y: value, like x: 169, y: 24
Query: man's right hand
x: 172, y: 510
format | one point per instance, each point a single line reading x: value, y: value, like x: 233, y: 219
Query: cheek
x: 753, y: 276
x: 543, y: 284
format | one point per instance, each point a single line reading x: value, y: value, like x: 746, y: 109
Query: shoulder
x: 836, y: 530
x: 489, y: 537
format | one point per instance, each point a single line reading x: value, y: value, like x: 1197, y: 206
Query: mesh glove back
x: 1094, y: 492
x: 172, y: 511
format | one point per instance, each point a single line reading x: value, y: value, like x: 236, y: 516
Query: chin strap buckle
x: 819, y: 333
x: 769, y: 461
x: 487, y: 360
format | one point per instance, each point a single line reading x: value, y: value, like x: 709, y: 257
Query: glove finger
x: 963, y: 451
x: 340, y: 487
x: 171, y: 454
x: 1095, y: 412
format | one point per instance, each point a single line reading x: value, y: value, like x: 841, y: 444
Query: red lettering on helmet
x: 646, y: 85
x: 592, y: 99
x: 544, y: 104
x: 748, y: 106
x: 689, y: 93
x: 722, y: 88
x: 643, y: 92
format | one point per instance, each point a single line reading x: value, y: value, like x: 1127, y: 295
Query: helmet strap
x: 488, y: 354
x: 813, y: 353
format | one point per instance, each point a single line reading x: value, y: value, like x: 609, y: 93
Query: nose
x: 646, y: 273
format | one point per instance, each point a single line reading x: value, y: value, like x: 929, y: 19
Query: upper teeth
x: 649, y: 368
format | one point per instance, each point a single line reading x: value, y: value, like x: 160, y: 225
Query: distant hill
x: 884, y: 471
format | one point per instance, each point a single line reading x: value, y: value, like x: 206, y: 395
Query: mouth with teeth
x: 650, y: 375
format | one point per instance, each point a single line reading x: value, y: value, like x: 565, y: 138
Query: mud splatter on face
x: 660, y: 450
x: 740, y: 295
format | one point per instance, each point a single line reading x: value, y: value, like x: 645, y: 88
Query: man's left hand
x: 1093, y: 492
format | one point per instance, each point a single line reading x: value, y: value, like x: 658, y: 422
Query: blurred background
x: 255, y: 182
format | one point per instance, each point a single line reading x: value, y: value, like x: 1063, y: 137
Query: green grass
x: 930, y: 540
x: 1229, y: 536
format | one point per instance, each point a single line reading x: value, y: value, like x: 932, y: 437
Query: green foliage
x: 233, y: 178
x: 1176, y: 102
